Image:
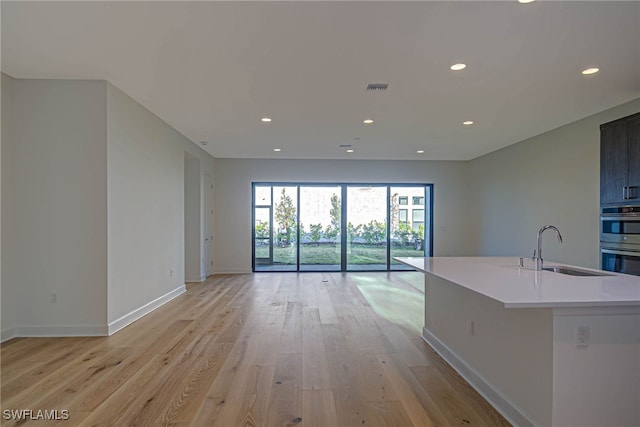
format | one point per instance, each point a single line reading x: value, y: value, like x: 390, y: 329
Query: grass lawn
x: 329, y: 254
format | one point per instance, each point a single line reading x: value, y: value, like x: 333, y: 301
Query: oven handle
x: 617, y: 252
x: 621, y: 218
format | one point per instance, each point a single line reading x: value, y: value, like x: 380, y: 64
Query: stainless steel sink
x: 574, y: 271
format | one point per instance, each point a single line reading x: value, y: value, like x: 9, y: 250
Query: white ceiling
x: 213, y: 69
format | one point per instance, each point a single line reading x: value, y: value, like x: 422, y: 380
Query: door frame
x: 208, y: 224
x: 254, y: 260
x: 268, y: 260
x: 428, y: 229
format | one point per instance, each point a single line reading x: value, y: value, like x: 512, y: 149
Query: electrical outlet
x: 582, y: 334
x: 54, y: 297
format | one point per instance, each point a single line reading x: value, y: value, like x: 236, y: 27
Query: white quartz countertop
x: 501, y: 279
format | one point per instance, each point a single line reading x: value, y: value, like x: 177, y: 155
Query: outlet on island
x: 582, y: 336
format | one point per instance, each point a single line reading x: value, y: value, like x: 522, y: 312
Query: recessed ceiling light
x: 590, y: 71
x: 265, y: 119
x: 468, y: 122
x: 350, y: 150
x: 526, y: 1
x: 420, y: 151
x: 458, y: 67
x: 367, y: 121
x: 277, y: 149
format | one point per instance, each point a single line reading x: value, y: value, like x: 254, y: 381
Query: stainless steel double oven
x: 620, y: 239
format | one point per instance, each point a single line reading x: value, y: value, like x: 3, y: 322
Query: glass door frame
x: 428, y: 213
x: 269, y: 259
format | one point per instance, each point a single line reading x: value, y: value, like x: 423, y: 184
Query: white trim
x: 195, y: 279
x: 482, y: 386
x: 59, y: 331
x: 7, y: 334
x: 136, y: 314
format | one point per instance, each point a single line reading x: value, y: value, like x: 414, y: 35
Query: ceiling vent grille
x: 377, y: 86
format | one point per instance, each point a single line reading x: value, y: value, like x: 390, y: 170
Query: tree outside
x: 332, y: 231
x: 285, y: 215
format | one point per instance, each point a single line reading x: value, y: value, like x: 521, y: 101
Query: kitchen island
x: 543, y: 347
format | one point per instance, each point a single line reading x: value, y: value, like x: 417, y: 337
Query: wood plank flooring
x: 266, y: 349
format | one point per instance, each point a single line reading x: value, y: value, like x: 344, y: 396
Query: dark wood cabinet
x: 634, y: 157
x: 620, y: 161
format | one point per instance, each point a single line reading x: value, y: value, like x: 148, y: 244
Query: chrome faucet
x: 537, y: 254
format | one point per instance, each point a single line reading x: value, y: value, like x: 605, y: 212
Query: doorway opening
x: 192, y: 219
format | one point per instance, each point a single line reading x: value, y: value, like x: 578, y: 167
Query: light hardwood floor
x: 267, y: 349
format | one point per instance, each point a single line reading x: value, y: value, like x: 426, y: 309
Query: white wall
x: 192, y: 219
x: 7, y: 292
x: 553, y: 178
x: 146, y: 205
x: 93, y: 196
x: 57, y: 210
x: 522, y: 372
x: 233, y: 178
x: 607, y: 372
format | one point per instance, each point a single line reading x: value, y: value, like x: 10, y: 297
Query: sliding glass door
x: 320, y: 234
x: 409, y: 213
x: 275, y: 228
x: 339, y: 227
x: 366, y: 227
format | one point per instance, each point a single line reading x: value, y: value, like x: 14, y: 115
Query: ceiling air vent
x: 377, y: 86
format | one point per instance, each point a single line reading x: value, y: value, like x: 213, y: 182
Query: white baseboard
x: 195, y: 279
x: 54, y: 331
x: 88, y: 330
x: 495, y: 398
x: 217, y: 273
x: 136, y: 314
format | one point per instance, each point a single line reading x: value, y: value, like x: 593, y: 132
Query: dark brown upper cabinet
x: 620, y: 161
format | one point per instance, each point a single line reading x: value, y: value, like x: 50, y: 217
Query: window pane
x: 418, y: 200
x: 320, y: 221
x: 403, y: 200
x: 406, y: 241
x: 262, y: 232
x: 418, y: 215
x: 367, y: 228
x: 263, y: 195
x: 285, y: 227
